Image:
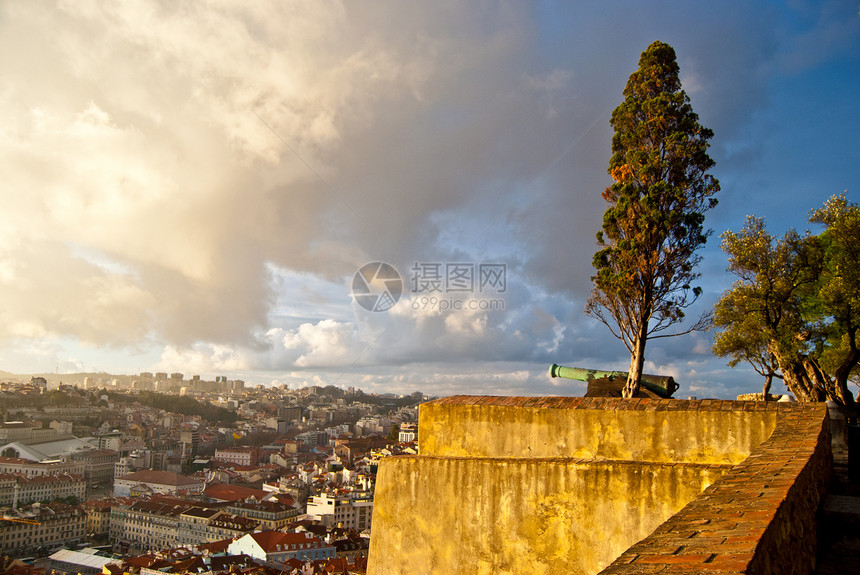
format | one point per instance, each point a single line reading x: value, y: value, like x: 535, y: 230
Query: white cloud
x: 326, y: 343
x: 204, y: 178
x: 205, y: 358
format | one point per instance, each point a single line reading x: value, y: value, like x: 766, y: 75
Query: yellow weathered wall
x: 452, y: 515
x: 698, y: 436
x: 551, y: 485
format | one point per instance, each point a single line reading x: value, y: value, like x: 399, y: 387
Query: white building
x: 155, y: 482
x: 373, y: 425
x: 408, y: 432
x: 277, y: 547
x: 342, y: 510
x: 62, y: 427
x: 237, y: 455
x: 18, y: 489
x: 47, y: 467
x: 154, y: 523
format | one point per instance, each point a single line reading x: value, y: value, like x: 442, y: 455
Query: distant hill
x: 54, y: 379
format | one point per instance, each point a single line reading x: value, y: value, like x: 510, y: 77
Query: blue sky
x: 192, y: 186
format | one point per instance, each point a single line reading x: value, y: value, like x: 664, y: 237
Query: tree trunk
x: 805, y: 378
x: 797, y: 379
x: 637, y: 362
x: 766, y: 391
x: 820, y: 381
x: 840, y: 377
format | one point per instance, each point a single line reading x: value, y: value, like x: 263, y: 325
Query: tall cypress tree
x: 654, y: 223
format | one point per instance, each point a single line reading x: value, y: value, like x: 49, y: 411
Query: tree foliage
x: 764, y: 303
x: 794, y: 311
x: 186, y: 405
x: 654, y: 223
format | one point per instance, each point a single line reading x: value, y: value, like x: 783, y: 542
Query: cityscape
x: 154, y: 470
x: 280, y: 283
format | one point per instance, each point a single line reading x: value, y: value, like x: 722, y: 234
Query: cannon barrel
x: 662, y: 385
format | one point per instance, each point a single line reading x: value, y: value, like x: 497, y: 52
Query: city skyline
x: 194, y: 188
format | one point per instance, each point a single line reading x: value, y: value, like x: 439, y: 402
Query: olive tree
x: 797, y: 302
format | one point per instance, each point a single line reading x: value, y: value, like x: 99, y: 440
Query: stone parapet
x: 549, y: 485
x: 657, y: 430
x: 759, y: 518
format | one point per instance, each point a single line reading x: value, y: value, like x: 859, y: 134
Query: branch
x: 704, y: 323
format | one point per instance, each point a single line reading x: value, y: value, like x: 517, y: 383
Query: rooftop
x: 231, y: 493
x: 159, y: 477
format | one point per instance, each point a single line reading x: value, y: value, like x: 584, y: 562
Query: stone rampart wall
x: 759, y: 518
x: 667, y: 431
x: 549, y: 485
x: 542, y: 517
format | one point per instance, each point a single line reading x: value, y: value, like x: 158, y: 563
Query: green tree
x: 186, y: 406
x: 797, y: 302
x: 761, y: 313
x: 58, y: 397
x: 653, y: 226
x: 394, y: 433
x: 839, y: 291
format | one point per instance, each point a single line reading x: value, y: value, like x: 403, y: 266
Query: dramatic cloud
x: 191, y: 185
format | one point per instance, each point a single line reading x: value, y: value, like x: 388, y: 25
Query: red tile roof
x: 270, y: 540
x: 215, y: 546
x: 159, y: 477
x: 15, y: 460
x: 231, y: 493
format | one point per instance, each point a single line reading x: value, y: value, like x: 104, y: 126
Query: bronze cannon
x: 660, y: 385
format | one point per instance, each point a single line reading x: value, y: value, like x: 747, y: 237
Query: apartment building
x: 165, y: 522
x: 345, y: 511
x: 41, y: 526
x: 98, y: 465
x: 17, y: 430
x: 408, y: 432
x: 238, y: 455
x: 17, y: 489
x: 47, y: 467
x: 271, y: 514
x: 98, y: 517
